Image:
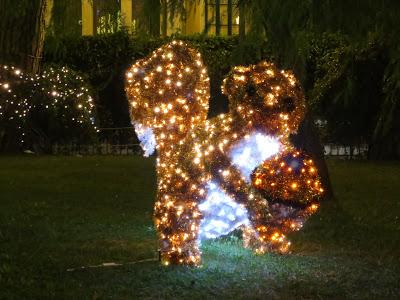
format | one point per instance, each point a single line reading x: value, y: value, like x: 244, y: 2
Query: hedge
x: 104, y: 58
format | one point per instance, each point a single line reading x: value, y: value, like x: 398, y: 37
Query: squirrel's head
x: 266, y: 96
x: 169, y: 90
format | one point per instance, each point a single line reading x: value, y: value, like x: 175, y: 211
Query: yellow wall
x: 194, y: 19
x: 49, y: 8
x: 87, y: 18
x: 126, y: 12
x: 176, y: 26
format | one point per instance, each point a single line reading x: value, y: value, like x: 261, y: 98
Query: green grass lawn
x: 58, y: 213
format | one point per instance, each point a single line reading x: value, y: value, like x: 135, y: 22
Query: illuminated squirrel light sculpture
x: 237, y: 170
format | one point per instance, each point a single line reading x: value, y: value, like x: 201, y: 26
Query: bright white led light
x: 147, y: 139
x: 221, y: 215
x: 249, y: 153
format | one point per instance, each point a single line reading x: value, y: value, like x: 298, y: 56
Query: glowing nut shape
x: 210, y: 172
x: 221, y: 214
x: 252, y: 151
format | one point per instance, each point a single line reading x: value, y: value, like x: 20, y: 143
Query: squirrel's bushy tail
x: 168, y: 92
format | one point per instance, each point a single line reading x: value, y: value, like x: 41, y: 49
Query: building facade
x: 213, y: 17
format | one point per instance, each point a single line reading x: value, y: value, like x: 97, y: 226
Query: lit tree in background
x: 38, y: 111
x: 38, y: 108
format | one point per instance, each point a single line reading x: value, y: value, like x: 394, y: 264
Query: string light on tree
x: 57, y: 92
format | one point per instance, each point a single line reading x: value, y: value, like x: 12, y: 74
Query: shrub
x: 105, y: 58
x: 37, y: 111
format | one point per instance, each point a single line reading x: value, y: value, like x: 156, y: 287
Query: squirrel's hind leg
x: 178, y: 223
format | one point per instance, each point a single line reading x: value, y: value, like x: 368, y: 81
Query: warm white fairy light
x: 210, y: 172
x: 49, y: 90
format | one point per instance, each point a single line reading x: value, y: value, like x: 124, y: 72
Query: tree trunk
x: 34, y: 59
x: 308, y: 140
x: 22, y: 32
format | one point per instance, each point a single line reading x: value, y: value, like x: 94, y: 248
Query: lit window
x: 222, y: 17
x: 107, y: 16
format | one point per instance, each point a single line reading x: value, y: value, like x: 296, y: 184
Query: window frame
x: 218, y: 4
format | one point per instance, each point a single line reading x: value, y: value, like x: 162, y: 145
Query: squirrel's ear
x: 235, y: 81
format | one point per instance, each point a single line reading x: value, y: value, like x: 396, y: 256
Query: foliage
x: 105, y: 58
x: 346, y: 87
x: 294, y: 34
x: 22, y: 30
x: 98, y: 55
x: 366, y: 33
x: 58, y: 213
x: 37, y: 111
x: 349, y: 87
x: 66, y: 18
